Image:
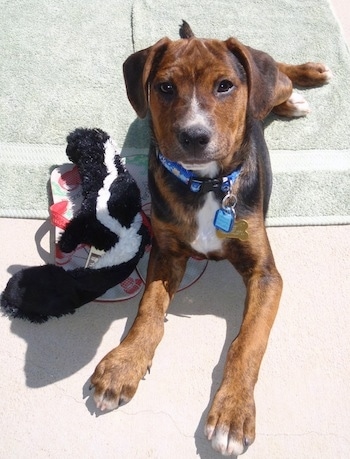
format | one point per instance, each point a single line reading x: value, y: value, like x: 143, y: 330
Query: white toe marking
x: 328, y: 73
x: 105, y: 404
x: 226, y: 445
x: 301, y: 106
x: 208, y: 431
x: 234, y: 447
x: 219, y: 441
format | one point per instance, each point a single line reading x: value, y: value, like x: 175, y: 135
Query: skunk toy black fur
x: 110, y: 219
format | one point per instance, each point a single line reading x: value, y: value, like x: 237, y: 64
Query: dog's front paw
x: 117, y: 377
x: 231, y: 422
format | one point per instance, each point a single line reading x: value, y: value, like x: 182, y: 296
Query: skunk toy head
x: 103, y: 174
x: 111, y: 196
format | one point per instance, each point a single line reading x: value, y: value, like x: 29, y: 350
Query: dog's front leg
x: 231, y: 420
x: 117, y: 376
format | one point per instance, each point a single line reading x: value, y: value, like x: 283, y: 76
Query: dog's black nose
x: 194, y: 138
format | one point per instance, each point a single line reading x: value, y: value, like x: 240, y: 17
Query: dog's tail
x: 185, y: 30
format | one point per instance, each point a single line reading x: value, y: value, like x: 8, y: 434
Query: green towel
x: 61, y: 68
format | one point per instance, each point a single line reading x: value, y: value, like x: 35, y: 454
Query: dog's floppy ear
x: 267, y: 86
x: 137, y: 69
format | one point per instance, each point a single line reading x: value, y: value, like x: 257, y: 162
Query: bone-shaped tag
x: 239, y: 231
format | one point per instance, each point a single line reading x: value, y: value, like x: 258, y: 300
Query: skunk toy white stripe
x: 129, y: 239
x: 109, y: 219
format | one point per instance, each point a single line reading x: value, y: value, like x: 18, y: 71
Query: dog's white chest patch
x: 206, y: 240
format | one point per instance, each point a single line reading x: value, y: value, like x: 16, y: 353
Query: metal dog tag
x: 224, y: 219
x: 238, y: 232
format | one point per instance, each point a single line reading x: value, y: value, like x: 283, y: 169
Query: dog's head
x: 199, y: 93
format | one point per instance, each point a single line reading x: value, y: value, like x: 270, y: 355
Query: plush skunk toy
x: 110, y: 219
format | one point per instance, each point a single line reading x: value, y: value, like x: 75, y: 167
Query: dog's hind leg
x: 306, y: 75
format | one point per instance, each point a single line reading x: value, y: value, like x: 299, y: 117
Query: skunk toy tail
x: 41, y: 292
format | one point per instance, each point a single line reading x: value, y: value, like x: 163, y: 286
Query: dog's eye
x: 225, y: 86
x: 167, y: 88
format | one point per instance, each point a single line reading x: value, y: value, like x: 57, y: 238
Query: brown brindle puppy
x: 208, y: 161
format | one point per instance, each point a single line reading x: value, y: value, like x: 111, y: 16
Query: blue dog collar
x: 197, y: 184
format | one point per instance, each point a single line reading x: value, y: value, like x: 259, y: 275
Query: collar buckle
x: 204, y: 185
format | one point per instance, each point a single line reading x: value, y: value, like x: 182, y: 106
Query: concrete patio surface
x: 302, y: 396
